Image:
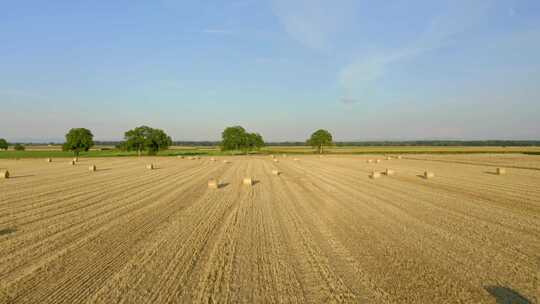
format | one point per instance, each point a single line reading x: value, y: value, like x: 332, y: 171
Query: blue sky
x: 365, y: 70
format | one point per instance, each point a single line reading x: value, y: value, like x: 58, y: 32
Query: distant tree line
x: 445, y: 143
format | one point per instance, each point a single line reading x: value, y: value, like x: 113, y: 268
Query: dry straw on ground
x: 4, y: 173
x: 428, y: 174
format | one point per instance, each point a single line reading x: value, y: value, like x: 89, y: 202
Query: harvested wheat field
x: 321, y: 231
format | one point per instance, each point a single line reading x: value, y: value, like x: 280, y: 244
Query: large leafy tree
x: 3, y: 144
x: 236, y: 138
x: 233, y: 138
x: 255, y: 141
x: 319, y: 139
x: 148, y: 139
x: 77, y: 140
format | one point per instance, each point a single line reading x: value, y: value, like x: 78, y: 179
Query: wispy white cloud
x: 216, y: 31
x: 313, y: 22
x: 359, y: 78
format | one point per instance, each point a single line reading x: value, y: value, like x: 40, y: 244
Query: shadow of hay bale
x: 8, y: 230
x: 504, y: 295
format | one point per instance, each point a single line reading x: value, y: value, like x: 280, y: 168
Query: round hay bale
x: 378, y: 161
x: 374, y: 175
x: 369, y: 161
x: 399, y: 157
x: 501, y: 171
x: 213, y: 184
x: 248, y: 181
x: 226, y: 161
x: 276, y: 160
x: 212, y: 159
x: 49, y: 160
x: 72, y: 162
x: 92, y: 168
x: 4, y: 173
x: 389, y: 172
x: 150, y: 166
x: 428, y: 175
x: 276, y: 172
x: 296, y: 159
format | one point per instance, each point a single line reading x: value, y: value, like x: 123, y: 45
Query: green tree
x: 255, y: 141
x: 148, y: 139
x: 77, y: 140
x: 19, y: 147
x: 319, y: 139
x: 3, y: 144
x: 234, y: 138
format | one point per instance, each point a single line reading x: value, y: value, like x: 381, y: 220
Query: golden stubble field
x: 321, y: 232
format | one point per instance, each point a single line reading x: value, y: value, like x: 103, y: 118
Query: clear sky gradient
x: 365, y: 70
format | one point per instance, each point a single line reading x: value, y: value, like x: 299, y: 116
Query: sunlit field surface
x: 320, y: 232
